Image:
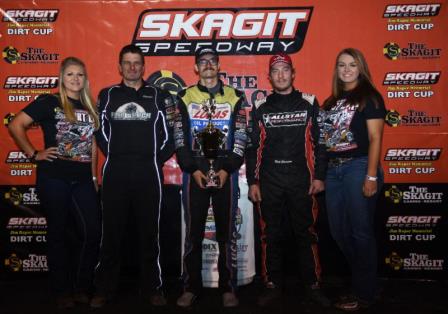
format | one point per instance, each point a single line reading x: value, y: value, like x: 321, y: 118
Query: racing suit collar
x: 204, y: 89
x: 292, y: 94
x: 123, y: 85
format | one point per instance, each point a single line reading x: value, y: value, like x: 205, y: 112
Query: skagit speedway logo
x: 412, y: 154
x: 407, y: 84
x: 411, y: 78
x: 229, y: 31
x: 417, y: 17
x: 412, y: 10
x: 23, y: 16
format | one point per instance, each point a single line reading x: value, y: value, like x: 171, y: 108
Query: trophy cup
x: 210, y: 140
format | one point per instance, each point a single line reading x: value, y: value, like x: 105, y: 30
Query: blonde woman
x: 66, y: 179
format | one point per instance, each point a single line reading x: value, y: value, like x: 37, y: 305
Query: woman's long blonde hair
x: 85, y: 96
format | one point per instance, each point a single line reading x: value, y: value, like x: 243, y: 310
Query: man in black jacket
x: 134, y: 137
x: 285, y: 168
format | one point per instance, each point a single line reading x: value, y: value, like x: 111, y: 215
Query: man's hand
x: 199, y: 178
x: 222, y: 175
x: 255, y: 193
x: 316, y: 186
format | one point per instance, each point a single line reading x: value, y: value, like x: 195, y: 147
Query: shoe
x: 348, y: 305
x: 316, y: 295
x: 229, y: 299
x: 186, y: 299
x: 81, y: 297
x: 64, y: 302
x: 351, y: 304
x: 157, y: 299
x: 98, y: 301
x: 269, y: 294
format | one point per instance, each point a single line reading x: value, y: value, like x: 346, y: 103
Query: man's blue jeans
x: 351, y: 220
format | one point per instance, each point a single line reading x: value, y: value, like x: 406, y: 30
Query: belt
x: 335, y: 162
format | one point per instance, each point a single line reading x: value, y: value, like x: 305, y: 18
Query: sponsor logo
x: 411, y: 78
x: 33, y: 263
x: 131, y: 111
x: 222, y: 112
x: 19, y: 222
x: 229, y: 31
x: 210, y: 228
x: 284, y: 119
x: 20, y: 237
x: 392, y: 51
x: 412, y: 118
x: 408, y: 228
x: 17, y: 157
x: 19, y: 163
x: 11, y: 55
x: 29, y: 31
x: 30, y: 22
x: 412, y: 154
x: 30, y: 55
x: 167, y: 80
x: 8, y: 118
x: 417, y: 24
x: 15, y: 197
x: 13, y: 262
x: 246, y: 83
x: 413, y: 195
x: 414, y: 261
x: 407, y: 84
x: 412, y: 221
x: 417, y: 17
x: 24, y: 15
x: 412, y: 10
x: 410, y: 237
x: 31, y: 82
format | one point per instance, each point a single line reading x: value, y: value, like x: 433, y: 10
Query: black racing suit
x: 134, y: 136
x: 230, y: 118
x: 283, y: 157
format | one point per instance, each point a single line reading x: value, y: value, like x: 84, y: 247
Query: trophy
x: 210, y: 140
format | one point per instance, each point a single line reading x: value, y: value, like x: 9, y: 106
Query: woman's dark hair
x: 364, y: 88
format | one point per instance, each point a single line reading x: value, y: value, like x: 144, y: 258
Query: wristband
x: 370, y: 178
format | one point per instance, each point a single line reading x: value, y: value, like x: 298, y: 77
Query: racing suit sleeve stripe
x: 239, y: 127
x: 182, y: 139
x: 260, y: 151
x: 165, y: 125
x: 103, y: 134
x: 252, y: 146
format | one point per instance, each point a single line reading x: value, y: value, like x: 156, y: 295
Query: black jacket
x: 285, y: 129
x: 135, y: 122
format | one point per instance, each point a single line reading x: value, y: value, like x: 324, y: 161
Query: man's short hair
x: 131, y: 49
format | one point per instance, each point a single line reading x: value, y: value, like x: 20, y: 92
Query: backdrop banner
x: 403, y: 41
